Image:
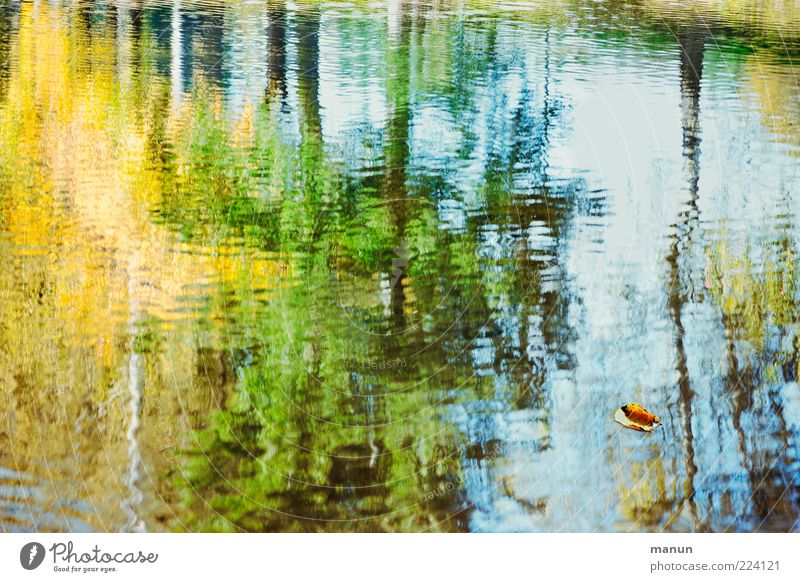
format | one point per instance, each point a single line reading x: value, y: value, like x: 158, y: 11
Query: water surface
x: 369, y: 266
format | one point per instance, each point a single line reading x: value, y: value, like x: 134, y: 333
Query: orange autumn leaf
x: 636, y: 417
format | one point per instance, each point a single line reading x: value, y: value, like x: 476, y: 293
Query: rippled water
x: 358, y: 266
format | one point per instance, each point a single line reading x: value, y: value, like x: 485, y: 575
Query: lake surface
x: 369, y: 266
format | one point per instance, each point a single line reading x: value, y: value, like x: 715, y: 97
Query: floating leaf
x: 636, y: 417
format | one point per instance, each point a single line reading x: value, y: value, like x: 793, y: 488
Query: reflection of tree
x: 691, y: 44
x: 306, y: 21
x: 306, y: 33
x: 748, y: 305
x: 276, y: 49
x: 107, y: 292
x: 312, y: 441
x: 240, y: 256
x: 525, y: 209
x: 521, y: 193
x: 8, y: 14
x: 758, y: 305
x: 397, y: 146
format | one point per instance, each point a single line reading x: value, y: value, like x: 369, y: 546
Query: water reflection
x: 327, y: 266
